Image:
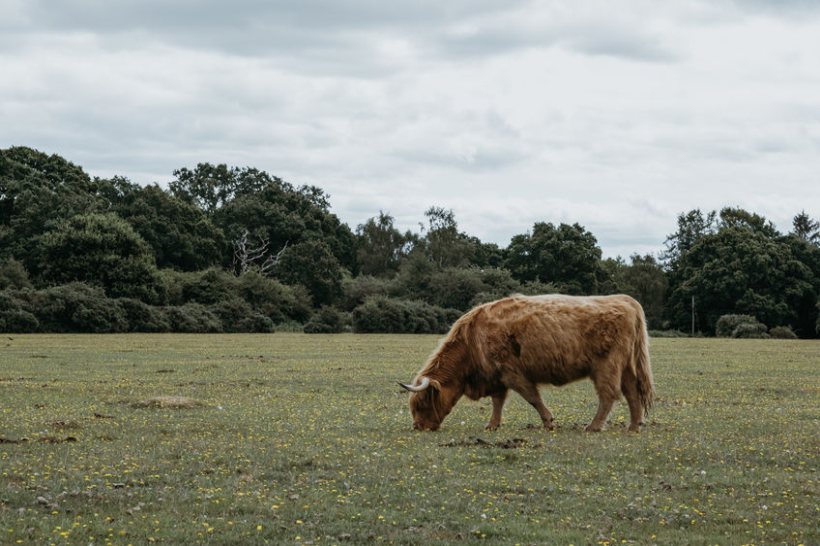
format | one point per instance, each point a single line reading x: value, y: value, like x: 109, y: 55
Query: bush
x: 18, y: 321
x: 14, y: 317
x: 192, y: 318
x: 289, y: 326
x: 101, y: 250
x: 209, y: 287
x: 171, y: 285
x: 782, y: 332
x: 750, y: 330
x: 327, y: 320
x: 455, y: 287
x: 13, y: 275
x: 77, y: 307
x: 381, y: 314
x: 356, y: 290
x: 142, y: 317
x: 273, y: 299
x: 727, y: 324
x: 237, y: 315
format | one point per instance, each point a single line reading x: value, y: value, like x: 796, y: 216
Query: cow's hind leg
x: 629, y: 386
x: 608, y: 390
x: 529, y: 392
x: 498, y: 405
x: 604, y: 407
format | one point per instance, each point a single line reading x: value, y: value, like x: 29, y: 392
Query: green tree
x: 806, y: 228
x: 445, y: 245
x: 565, y: 255
x: 210, y: 187
x: 181, y: 235
x: 37, y: 191
x: 13, y: 274
x: 101, y: 250
x: 803, y: 298
x: 645, y: 280
x: 739, y: 269
x: 380, y: 247
x: 692, y: 227
x: 313, y: 265
x: 273, y: 211
x: 484, y: 254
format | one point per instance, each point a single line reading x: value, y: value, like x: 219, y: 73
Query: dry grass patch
x: 169, y: 402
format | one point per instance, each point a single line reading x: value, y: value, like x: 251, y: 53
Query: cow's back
x: 561, y: 338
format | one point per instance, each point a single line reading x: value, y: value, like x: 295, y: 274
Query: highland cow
x: 521, y: 342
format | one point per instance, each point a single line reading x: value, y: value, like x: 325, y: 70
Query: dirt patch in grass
x: 512, y: 443
x: 63, y: 424
x: 57, y: 440
x: 169, y: 402
x: 4, y: 440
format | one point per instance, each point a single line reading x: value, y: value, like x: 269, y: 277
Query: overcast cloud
x: 614, y: 115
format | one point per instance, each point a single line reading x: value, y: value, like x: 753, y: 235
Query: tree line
x: 237, y: 249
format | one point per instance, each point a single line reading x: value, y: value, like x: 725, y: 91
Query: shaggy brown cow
x: 522, y: 341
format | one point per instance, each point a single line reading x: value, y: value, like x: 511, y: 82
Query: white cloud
x: 509, y: 113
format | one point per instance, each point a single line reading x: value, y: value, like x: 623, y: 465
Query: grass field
x: 306, y: 439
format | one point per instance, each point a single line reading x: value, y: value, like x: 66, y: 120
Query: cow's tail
x: 643, y: 367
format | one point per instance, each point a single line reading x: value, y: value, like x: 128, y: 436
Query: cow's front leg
x: 498, y: 405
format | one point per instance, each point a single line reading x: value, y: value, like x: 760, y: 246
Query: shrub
x: 192, y: 318
x: 356, y: 290
x: 727, y: 324
x: 455, y: 287
x: 782, y: 332
x: 327, y: 320
x: 209, y: 287
x: 750, y: 330
x: 290, y: 326
x: 171, y: 285
x: 142, y: 317
x: 77, y: 307
x: 237, y: 315
x: 273, y: 299
x: 98, y: 249
x: 13, y: 275
x: 381, y: 314
x: 14, y: 317
x: 311, y: 263
x: 18, y: 321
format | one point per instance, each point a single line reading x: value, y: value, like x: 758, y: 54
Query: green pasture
x: 301, y: 439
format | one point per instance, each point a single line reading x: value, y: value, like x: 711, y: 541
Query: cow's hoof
x: 591, y: 428
x: 634, y: 428
x: 491, y: 427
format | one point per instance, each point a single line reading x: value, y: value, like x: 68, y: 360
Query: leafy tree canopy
x: 37, y: 191
x: 380, y: 247
x: 181, y: 235
x: 566, y: 255
x: 102, y: 250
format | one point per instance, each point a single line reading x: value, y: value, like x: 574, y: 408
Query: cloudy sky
x: 616, y: 115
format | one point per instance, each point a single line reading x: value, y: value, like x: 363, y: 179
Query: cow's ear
x: 435, y: 384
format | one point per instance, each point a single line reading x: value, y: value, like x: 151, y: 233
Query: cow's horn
x: 425, y: 382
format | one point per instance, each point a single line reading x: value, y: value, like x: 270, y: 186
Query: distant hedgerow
x: 381, y: 314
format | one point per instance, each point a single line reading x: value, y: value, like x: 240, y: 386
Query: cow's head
x: 430, y: 403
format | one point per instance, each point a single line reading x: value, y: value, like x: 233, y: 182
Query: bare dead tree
x: 247, y: 255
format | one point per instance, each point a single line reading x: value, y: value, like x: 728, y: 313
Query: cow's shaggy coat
x: 522, y: 341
